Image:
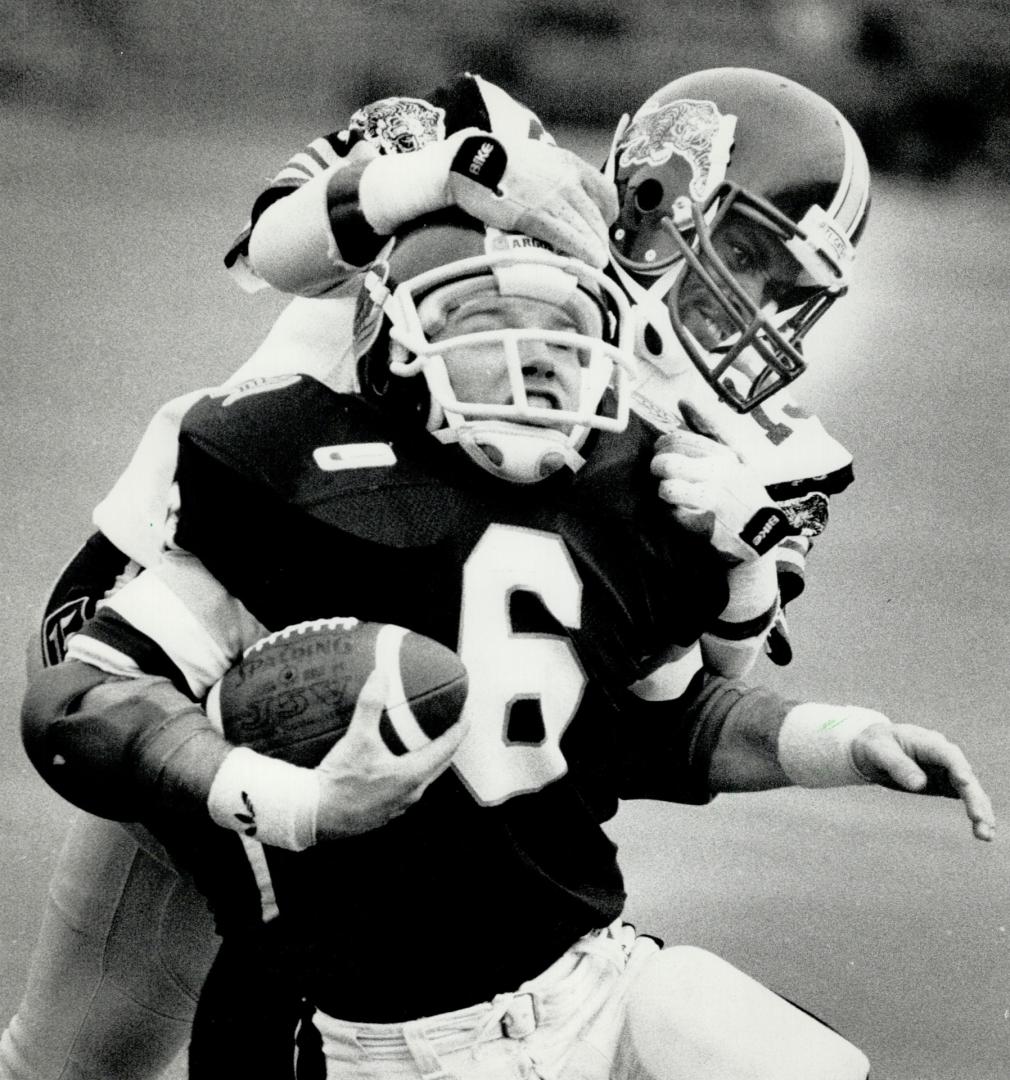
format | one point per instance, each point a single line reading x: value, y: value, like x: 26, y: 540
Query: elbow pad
x: 53, y: 693
x: 119, y: 748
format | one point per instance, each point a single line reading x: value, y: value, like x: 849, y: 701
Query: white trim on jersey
x: 88, y: 650
x: 201, y: 627
x: 261, y: 873
x: 253, y: 849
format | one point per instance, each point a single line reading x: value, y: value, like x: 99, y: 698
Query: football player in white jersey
x: 316, y: 225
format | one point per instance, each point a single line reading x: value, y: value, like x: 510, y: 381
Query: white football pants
x: 564, y: 1023
x: 614, y: 1007
x: 124, y: 948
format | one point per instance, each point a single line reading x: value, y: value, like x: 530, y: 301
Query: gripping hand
x: 538, y: 189
x: 519, y: 185
x: 714, y: 494
x: 362, y: 783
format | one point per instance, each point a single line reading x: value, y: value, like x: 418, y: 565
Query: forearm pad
x: 126, y: 749
x: 737, y: 638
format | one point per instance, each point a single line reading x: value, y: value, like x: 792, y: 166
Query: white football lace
x: 308, y: 626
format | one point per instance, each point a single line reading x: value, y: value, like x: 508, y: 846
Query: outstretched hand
x: 907, y: 757
x: 363, y: 784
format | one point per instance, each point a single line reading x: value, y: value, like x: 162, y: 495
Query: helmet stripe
x: 850, y: 202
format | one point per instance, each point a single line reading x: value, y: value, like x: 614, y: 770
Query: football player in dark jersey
x: 501, y: 500
x: 556, y: 196
x: 107, y: 973
x: 126, y: 972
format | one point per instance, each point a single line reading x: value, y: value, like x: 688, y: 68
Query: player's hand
x: 363, y: 784
x: 907, y: 757
x: 533, y: 187
x: 715, y: 495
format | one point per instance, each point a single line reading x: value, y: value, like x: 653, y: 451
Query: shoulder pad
x: 333, y: 455
x: 269, y: 420
x: 616, y: 474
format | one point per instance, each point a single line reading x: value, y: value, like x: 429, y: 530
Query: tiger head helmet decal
x: 693, y: 130
x: 399, y: 125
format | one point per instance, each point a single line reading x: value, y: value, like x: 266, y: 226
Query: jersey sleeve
x: 334, y: 162
x: 120, y: 748
x: 136, y: 513
x: 670, y: 744
x: 733, y: 643
x: 175, y: 621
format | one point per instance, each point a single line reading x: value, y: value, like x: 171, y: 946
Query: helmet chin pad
x: 519, y: 453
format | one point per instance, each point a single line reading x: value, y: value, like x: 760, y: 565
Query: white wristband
x: 271, y: 801
x: 815, y: 743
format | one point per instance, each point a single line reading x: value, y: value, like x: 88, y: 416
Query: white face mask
x: 524, y: 434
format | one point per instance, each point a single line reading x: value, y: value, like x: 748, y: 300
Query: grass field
x: 876, y: 910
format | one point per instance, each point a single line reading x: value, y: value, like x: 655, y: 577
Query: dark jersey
x: 558, y: 596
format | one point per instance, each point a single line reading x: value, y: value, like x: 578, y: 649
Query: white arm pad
x: 292, y: 247
x: 733, y: 645
x: 815, y: 743
x: 753, y: 590
x: 397, y: 188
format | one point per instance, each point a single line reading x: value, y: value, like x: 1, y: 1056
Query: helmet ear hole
x: 648, y: 195
x: 652, y: 340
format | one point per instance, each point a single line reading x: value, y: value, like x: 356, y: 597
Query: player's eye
x: 742, y: 260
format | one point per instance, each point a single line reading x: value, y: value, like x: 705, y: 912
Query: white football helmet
x: 439, y: 264
x: 740, y: 141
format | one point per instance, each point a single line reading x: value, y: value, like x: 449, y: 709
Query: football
x: 293, y: 693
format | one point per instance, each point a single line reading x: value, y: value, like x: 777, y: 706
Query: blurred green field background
x: 875, y: 910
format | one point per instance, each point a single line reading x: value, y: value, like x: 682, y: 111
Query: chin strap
x: 519, y: 453
x: 655, y: 339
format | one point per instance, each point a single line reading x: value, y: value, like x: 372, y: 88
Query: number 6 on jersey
x: 507, y: 668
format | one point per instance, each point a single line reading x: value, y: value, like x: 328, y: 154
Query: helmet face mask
x: 520, y: 386
x: 762, y: 352
x: 724, y: 146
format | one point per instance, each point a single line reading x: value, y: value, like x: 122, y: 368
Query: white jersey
x: 311, y: 337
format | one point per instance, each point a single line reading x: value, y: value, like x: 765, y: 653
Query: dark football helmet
x: 441, y: 263
x: 743, y: 142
